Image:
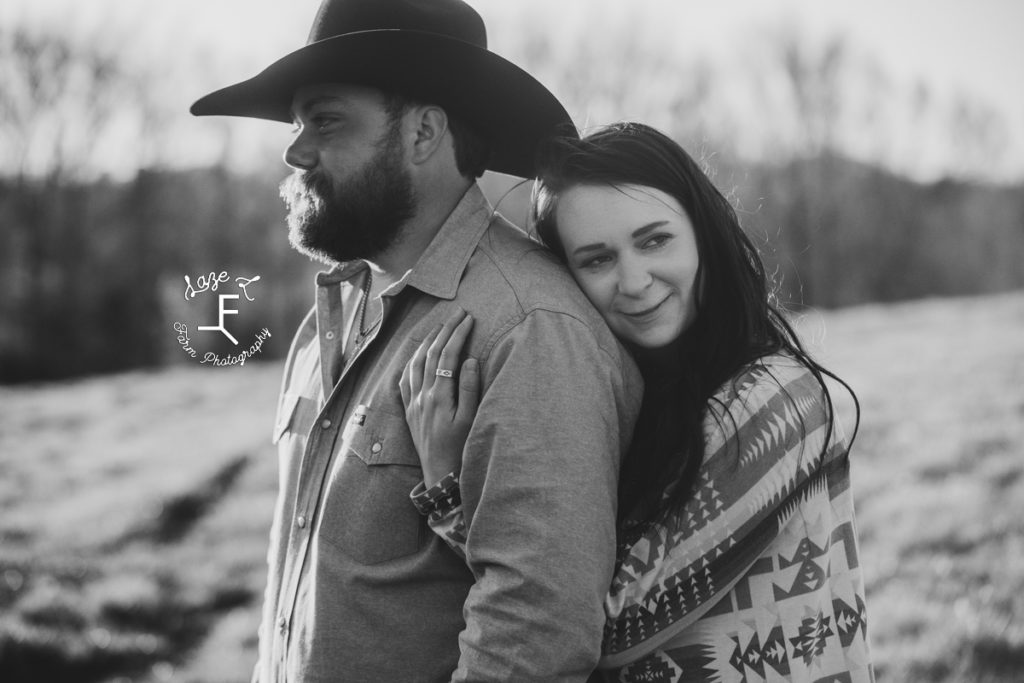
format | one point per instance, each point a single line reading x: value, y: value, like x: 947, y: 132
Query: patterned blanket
x: 757, y: 578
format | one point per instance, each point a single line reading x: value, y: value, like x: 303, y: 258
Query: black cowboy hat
x: 429, y: 50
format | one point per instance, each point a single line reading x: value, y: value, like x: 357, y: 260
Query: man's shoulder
x: 512, y: 273
x: 526, y: 305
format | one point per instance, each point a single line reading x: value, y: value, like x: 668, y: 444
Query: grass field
x: 134, y: 508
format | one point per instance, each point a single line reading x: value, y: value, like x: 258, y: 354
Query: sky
x: 974, y: 46
x: 955, y: 46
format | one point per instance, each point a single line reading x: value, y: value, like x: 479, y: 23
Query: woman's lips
x: 646, y: 313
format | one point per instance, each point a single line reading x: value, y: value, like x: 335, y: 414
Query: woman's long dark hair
x: 736, y: 321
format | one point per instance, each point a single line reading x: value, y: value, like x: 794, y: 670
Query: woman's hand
x: 440, y: 399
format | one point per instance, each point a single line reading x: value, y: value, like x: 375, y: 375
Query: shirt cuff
x: 440, y: 499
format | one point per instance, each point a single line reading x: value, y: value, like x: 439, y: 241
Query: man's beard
x: 357, y: 219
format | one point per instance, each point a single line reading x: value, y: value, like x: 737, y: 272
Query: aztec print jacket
x: 758, y: 577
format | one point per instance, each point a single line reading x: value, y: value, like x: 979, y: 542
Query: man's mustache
x: 305, y: 185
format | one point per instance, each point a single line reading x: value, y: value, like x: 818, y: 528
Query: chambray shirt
x: 358, y: 588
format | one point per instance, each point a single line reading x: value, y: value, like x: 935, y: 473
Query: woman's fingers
x: 434, y: 361
x: 469, y: 391
x: 433, y: 367
x: 404, y: 387
x: 417, y: 371
x: 452, y: 351
x: 453, y: 348
x: 445, y: 379
x: 440, y: 408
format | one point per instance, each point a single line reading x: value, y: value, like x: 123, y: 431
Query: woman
x: 738, y: 546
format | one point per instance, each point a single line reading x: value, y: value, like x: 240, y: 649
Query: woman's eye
x: 595, y: 262
x: 655, y: 241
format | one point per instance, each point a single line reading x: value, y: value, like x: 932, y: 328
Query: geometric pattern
x: 707, y: 505
x: 658, y: 668
x: 756, y: 657
x: 436, y: 501
x: 770, y: 532
x: 851, y: 621
x: 442, y: 505
x: 758, y: 577
x: 809, y: 642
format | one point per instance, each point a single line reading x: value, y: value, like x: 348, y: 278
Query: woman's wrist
x: 434, y: 473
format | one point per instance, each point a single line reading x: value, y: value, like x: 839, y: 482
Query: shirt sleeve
x: 764, y: 438
x: 441, y: 504
x: 538, y: 486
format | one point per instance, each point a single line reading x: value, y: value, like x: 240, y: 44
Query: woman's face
x: 633, y: 253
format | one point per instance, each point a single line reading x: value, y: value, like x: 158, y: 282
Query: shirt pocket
x: 295, y: 414
x: 367, y: 514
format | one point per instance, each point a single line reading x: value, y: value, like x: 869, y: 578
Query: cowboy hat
x: 429, y: 50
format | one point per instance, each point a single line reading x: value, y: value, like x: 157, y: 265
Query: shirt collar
x: 340, y: 273
x: 439, y: 270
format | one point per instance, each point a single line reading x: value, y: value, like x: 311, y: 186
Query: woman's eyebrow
x: 589, y: 247
x: 650, y: 227
x: 639, y: 232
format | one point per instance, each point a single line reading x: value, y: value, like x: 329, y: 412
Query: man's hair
x: 471, y: 149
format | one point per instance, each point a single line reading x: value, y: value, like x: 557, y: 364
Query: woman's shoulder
x: 774, y: 389
x: 767, y: 376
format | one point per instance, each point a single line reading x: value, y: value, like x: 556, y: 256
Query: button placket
x: 313, y: 469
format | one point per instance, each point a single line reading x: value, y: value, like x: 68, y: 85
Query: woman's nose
x: 633, y: 277
x: 300, y: 154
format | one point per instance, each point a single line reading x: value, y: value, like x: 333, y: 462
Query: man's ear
x: 430, y: 125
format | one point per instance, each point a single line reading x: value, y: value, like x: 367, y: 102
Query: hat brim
x: 506, y: 105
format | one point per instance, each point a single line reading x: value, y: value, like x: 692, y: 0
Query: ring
x: 443, y: 373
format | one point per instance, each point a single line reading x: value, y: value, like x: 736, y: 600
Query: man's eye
x: 322, y: 122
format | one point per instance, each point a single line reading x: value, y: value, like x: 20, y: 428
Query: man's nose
x: 300, y: 154
x: 634, y: 278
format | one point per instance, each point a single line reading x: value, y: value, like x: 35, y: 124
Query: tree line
x: 92, y: 268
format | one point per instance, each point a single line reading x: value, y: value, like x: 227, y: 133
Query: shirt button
x: 375, y: 448
x: 301, y: 521
x: 282, y: 624
x: 329, y: 335
x: 326, y: 424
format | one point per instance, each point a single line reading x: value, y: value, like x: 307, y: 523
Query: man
x: 399, y: 107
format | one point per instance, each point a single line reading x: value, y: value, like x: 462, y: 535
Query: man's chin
x: 303, y: 243
x: 303, y: 239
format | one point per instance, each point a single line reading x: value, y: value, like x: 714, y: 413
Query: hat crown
x: 448, y: 18
x: 427, y: 50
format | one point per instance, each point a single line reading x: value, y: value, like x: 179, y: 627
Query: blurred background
x: 874, y: 150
